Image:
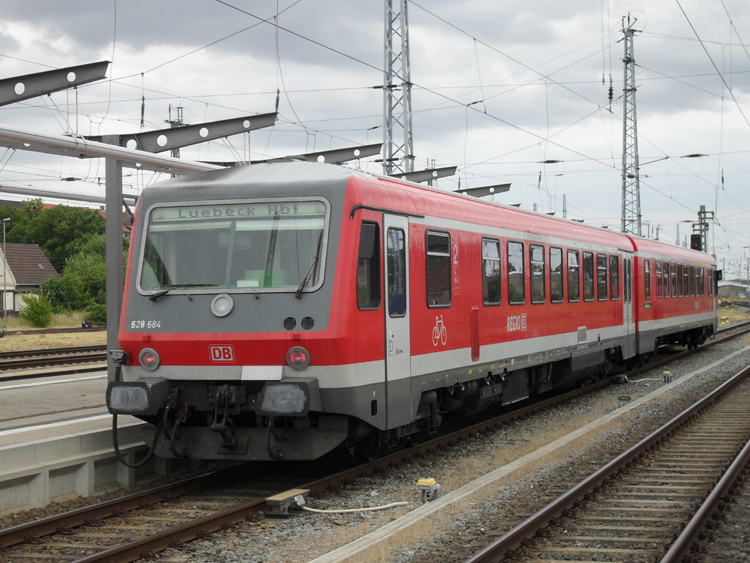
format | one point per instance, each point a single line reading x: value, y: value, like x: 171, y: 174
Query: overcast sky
x: 499, y: 87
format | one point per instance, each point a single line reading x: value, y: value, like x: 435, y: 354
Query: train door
x: 397, y: 333
x: 628, y: 350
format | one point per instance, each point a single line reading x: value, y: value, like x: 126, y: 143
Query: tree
x: 60, y: 231
x: 83, y: 283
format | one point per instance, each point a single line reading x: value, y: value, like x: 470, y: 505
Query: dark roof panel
x: 29, y: 264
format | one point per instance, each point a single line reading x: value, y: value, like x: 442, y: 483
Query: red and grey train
x: 282, y: 310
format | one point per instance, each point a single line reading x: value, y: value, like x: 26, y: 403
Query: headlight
x: 222, y: 305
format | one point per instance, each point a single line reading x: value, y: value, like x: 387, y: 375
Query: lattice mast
x: 398, y: 143
x: 631, y: 191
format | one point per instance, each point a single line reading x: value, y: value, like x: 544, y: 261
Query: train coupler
x: 224, y: 397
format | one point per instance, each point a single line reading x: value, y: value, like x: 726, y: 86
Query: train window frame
x: 703, y: 283
x: 710, y: 282
x: 556, y: 275
x: 588, y: 264
x: 573, y: 269
x: 679, y: 280
x: 396, y: 313
x: 692, y: 281
x: 485, y: 278
x: 209, y: 213
x: 673, y: 280
x: 667, y: 280
x: 685, y: 281
x: 537, y: 274
x: 369, y: 275
x: 628, y: 280
x: 657, y: 274
x: 614, y: 277
x: 647, y: 278
x: 433, y: 257
x: 697, y: 283
x: 601, y: 258
x: 521, y: 273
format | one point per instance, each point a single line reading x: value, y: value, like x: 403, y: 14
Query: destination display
x: 238, y: 211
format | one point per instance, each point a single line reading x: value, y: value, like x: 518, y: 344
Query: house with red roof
x: 26, y: 268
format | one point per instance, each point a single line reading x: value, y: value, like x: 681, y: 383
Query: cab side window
x: 368, y: 267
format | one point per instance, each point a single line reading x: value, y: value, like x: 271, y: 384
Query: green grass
x: 58, y: 321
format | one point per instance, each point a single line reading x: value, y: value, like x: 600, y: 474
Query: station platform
x: 56, y: 442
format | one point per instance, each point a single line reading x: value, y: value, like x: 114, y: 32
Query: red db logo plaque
x: 221, y: 353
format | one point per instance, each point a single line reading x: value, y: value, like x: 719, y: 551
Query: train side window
x: 697, y: 283
x: 396, y: 273
x: 368, y: 267
x: 673, y: 276
x: 647, y: 278
x: 574, y: 277
x: 692, y: 281
x: 679, y: 280
x: 614, y: 277
x: 658, y: 279
x: 491, y: 276
x: 588, y: 276
x: 685, y: 281
x: 710, y: 282
x: 666, y: 279
x: 438, y: 267
x: 601, y: 277
x: 555, y: 275
x: 516, y: 280
x: 538, y: 293
x: 628, y: 281
x: 702, y: 282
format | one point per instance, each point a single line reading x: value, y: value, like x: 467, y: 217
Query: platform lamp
x: 5, y: 284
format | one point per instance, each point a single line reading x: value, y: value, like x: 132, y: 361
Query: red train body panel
x: 282, y: 310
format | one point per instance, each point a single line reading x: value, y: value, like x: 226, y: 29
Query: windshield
x: 250, y: 246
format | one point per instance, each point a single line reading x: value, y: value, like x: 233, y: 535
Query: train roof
x: 402, y: 195
x: 657, y: 248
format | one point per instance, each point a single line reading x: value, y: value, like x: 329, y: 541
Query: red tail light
x: 298, y: 358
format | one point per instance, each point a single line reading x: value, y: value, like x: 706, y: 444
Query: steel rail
x: 22, y: 331
x: 527, y: 529
x: 690, y: 534
x: 158, y: 542
x: 188, y: 532
x: 56, y: 373
x: 52, y: 351
x: 54, y: 361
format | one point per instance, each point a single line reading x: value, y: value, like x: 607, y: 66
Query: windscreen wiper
x: 155, y: 296
x: 312, y: 268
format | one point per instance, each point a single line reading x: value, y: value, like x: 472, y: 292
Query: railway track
x: 31, y: 359
x: 54, y: 330
x: 99, y: 545
x: 632, y: 508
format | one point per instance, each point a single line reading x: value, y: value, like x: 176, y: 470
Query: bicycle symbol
x: 439, y: 333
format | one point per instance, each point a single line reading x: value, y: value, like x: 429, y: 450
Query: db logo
x: 221, y: 353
